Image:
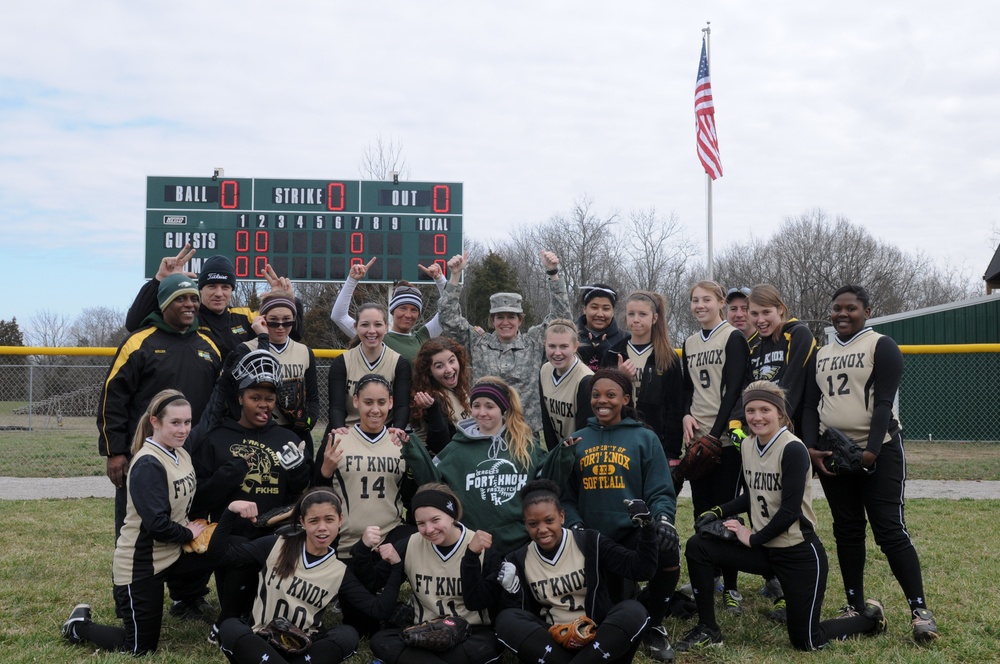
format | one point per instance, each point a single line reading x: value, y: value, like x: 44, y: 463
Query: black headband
x: 372, y: 378
x: 498, y: 394
x: 437, y: 499
x: 166, y: 402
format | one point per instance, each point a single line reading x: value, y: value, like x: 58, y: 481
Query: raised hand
x: 433, y: 270
x: 549, y: 260
x: 389, y: 554
x: 175, y: 264
x: 274, y: 282
x: 481, y: 540
x: 359, y: 270
x: 458, y: 263
x: 423, y: 399
x: 372, y: 536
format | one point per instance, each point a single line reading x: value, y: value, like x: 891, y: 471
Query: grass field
x: 71, y: 451
x: 58, y: 552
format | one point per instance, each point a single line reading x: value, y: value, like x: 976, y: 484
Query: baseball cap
x: 733, y: 293
x: 505, y: 303
x: 172, y: 287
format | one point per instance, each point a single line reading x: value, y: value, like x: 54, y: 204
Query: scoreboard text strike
x: 308, y: 230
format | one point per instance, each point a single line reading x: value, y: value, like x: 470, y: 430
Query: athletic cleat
x: 699, y: 638
x: 720, y: 587
x: 734, y: 602
x: 213, y: 634
x: 875, y: 611
x: 772, y: 589
x: 924, y: 627
x: 658, y: 645
x: 847, y: 611
x: 778, y: 612
x: 80, y: 614
x: 197, y: 610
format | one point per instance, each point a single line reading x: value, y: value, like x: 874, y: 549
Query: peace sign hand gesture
x: 175, y: 264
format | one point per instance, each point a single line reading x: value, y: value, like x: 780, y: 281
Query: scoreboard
x: 307, y: 230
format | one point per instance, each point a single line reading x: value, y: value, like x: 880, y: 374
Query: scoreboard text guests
x: 308, y: 230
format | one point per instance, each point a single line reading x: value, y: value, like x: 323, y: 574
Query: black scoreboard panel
x: 308, y: 230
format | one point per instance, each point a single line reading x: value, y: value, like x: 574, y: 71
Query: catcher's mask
x: 258, y: 368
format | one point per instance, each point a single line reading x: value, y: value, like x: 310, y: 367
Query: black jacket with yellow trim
x: 155, y: 358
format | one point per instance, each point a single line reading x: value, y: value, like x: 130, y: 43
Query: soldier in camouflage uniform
x: 507, y: 352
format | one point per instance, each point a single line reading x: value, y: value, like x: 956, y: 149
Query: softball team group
x: 516, y: 479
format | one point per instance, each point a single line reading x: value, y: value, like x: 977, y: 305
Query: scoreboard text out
x: 307, y: 230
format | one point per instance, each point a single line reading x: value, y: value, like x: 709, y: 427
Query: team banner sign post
x: 307, y: 230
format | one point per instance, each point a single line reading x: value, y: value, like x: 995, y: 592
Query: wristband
x: 553, y: 272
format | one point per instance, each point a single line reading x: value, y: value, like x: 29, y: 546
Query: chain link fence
x: 947, y: 402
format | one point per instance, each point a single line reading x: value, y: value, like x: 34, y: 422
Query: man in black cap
x: 227, y: 326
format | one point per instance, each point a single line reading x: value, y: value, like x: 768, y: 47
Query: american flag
x: 704, y: 113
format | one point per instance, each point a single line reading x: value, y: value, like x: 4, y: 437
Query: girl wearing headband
x: 781, y: 539
x: 439, y: 398
x: 564, y: 383
x: 405, y: 306
x: 648, y: 357
x: 714, y: 360
x: 161, y: 487
x: 365, y: 468
x: 578, y: 563
x: 368, y: 354
x: 299, y: 577
x: 491, y: 456
x: 597, y: 327
x: 614, y: 459
x: 452, y: 572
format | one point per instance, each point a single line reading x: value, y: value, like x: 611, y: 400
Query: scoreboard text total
x: 308, y: 230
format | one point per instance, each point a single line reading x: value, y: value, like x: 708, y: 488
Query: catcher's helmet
x: 256, y: 368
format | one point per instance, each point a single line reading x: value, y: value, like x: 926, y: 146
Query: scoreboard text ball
x: 307, y: 230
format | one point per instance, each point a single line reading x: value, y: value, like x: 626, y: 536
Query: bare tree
x: 99, y: 327
x: 383, y: 157
x: 48, y: 328
x: 812, y: 255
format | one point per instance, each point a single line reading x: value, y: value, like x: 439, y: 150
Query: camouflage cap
x: 505, y: 303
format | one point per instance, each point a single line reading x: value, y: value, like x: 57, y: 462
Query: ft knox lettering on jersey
x: 705, y: 358
x: 300, y: 589
x: 839, y: 362
x: 761, y: 481
x: 564, y: 584
x: 372, y: 464
x: 441, y: 586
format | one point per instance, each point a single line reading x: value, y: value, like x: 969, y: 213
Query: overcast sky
x: 885, y: 112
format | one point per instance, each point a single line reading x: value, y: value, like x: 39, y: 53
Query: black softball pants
x: 616, y: 642
x: 241, y: 645
x: 480, y: 648
x: 880, y: 497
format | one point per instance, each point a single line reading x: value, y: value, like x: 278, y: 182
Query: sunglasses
x: 280, y: 323
x: 733, y: 291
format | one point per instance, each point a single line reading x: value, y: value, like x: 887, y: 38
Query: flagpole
x: 708, y: 179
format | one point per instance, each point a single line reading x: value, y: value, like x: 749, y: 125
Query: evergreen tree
x: 13, y: 379
x: 490, y: 275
